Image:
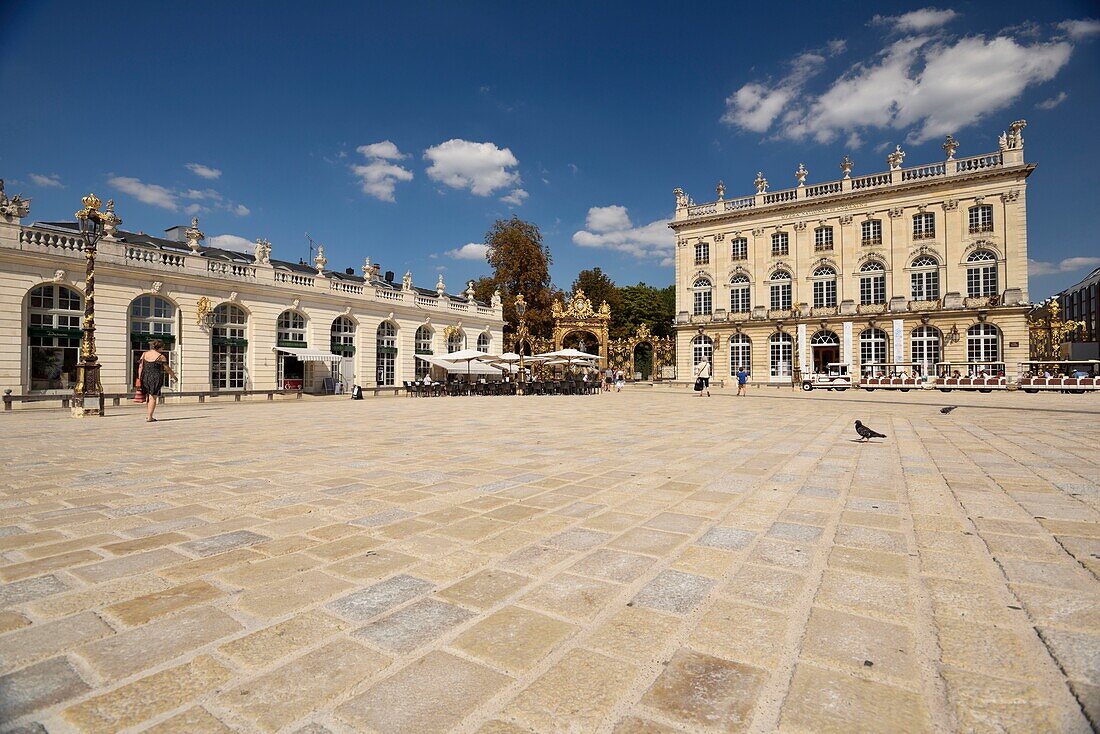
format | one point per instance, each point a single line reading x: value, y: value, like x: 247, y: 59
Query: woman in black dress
x: 151, y: 368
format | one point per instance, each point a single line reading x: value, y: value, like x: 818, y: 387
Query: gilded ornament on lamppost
x: 1047, y: 331
x: 522, y: 335
x: 92, y: 224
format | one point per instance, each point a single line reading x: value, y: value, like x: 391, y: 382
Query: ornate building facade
x: 230, y: 320
x: 918, y: 265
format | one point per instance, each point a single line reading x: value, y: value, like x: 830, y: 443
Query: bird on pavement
x: 948, y: 409
x: 866, y: 433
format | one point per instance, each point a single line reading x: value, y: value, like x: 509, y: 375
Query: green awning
x: 291, y: 344
x: 230, y: 341
x: 387, y: 350
x: 139, y: 338
x: 347, y: 350
x: 50, y: 332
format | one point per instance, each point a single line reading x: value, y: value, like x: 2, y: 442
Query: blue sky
x: 400, y: 131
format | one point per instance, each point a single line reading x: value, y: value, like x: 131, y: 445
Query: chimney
x: 389, y: 276
x: 349, y: 271
x: 177, y: 233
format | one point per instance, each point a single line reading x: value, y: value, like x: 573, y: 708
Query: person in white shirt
x: 702, y: 373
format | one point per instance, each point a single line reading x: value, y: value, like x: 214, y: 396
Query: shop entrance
x: 291, y: 372
x: 825, y: 347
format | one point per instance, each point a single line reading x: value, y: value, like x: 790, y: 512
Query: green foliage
x: 644, y: 304
x: 597, y: 287
x: 521, y: 266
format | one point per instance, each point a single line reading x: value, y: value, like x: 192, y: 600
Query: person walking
x: 150, y: 377
x: 620, y: 380
x: 742, y: 381
x: 702, y: 373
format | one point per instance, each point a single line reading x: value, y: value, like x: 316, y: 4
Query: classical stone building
x: 919, y: 265
x: 231, y: 320
x: 1081, y: 302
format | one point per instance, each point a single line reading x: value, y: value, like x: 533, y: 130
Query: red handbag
x: 139, y: 394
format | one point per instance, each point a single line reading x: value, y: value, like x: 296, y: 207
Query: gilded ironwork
x: 578, y: 315
x: 621, y: 351
x: 204, y: 312
x: 92, y: 223
x: 1047, y: 331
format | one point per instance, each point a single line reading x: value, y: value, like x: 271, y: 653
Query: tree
x: 598, y: 287
x: 521, y: 266
x: 644, y: 304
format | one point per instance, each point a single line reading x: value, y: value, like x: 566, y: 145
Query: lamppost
x: 521, y: 336
x: 88, y: 384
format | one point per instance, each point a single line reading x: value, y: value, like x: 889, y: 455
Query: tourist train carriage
x: 835, y: 377
x: 1032, y: 377
x: 903, y: 376
x: 980, y: 376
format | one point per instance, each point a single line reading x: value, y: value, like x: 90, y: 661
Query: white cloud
x: 916, y: 21
x: 231, y: 242
x: 146, y: 193
x: 610, y: 228
x: 1069, y: 265
x: 516, y: 198
x: 480, y: 167
x: 204, y: 171
x: 204, y: 195
x: 241, y: 210
x: 385, y: 150
x: 1079, y: 29
x: 926, y: 85
x: 469, y: 251
x: 1050, y: 104
x: 52, y: 181
x: 837, y: 46
x: 379, y: 176
x: 607, y: 219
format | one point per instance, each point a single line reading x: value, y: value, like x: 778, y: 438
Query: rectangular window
x: 872, y: 289
x: 823, y: 239
x: 702, y: 253
x: 926, y: 285
x: 781, y: 296
x: 702, y: 302
x: 780, y: 244
x: 872, y: 232
x: 739, y: 299
x: 739, y: 249
x: 981, y: 218
x: 825, y: 293
x: 924, y: 226
x: 981, y: 281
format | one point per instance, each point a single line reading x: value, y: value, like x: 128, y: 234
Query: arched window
x: 228, y: 348
x: 781, y: 353
x: 981, y: 274
x: 740, y: 294
x: 924, y: 345
x: 53, y: 331
x: 386, y: 353
x: 290, y: 330
x: 483, y: 342
x: 702, y: 350
x: 825, y: 339
x: 740, y: 353
x: 925, y: 278
x: 702, y: 296
x: 343, y: 336
x: 983, y: 344
x: 872, y: 347
x: 872, y: 282
x: 423, y: 345
x: 780, y: 290
x: 151, y: 317
x: 456, y: 341
x: 824, y: 287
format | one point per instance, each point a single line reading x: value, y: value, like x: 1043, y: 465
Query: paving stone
x: 128, y: 565
x: 223, y: 543
x: 414, y: 626
x: 12, y: 621
x: 674, y: 591
x: 485, y: 589
x: 578, y: 539
x: 577, y: 694
x: 865, y: 594
x: 157, y: 642
x: 94, y: 597
x: 869, y: 561
x: 45, y: 640
x: 831, y: 702
x: 195, y: 720
x: 568, y: 595
x: 82, y: 543
x: 634, y: 633
x: 513, y: 638
x: 984, y: 703
x: 850, y: 641
x: 739, y: 632
x: 769, y: 587
x: 638, y: 725
x: 144, y: 699
x: 268, y: 570
x: 435, y: 693
x: 289, y: 693
x: 794, y: 531
x: 1077, y: 652
x: 373, y: 600
x: 985, y: 649
x: 344, y: 547
x: 204, y: 566
x: 261, y: 648
x: 697, y: 690
x: 46, y: 684
x: 283, y: 597
x: 17, y: 571
x: 676, y: 523
x: 144, y: 608
x: 645, y: 540
x: 728, y: 538
x: 144, y: 543
x: 19, y: 592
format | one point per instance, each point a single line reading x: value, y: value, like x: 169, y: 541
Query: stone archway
x: 578, y: 315
x: 662, y: 349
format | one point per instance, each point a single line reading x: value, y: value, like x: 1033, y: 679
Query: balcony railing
x: 981, y: 228
x: 872, y: 308
x: 823, y: 247
x: 929, y: 234
x: 231, y: 270
x: 780, y: 251
x: 869, y: 241
x: 702, y: 261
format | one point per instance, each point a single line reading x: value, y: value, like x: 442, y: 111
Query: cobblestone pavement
x: 642, y: 562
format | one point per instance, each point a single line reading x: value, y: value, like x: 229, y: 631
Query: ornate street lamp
x: 521, y: 336
x: 92, y: 223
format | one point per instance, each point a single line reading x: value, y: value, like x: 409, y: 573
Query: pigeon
x: 948, y: 409
x: 866, y: 433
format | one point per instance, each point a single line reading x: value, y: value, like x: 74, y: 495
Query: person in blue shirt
x: 742, y: 381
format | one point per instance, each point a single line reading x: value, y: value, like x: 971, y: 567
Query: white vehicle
x: 980, y: 376
x: 835, y: 377
x: 903, y: 376
x: 1078, y: 376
